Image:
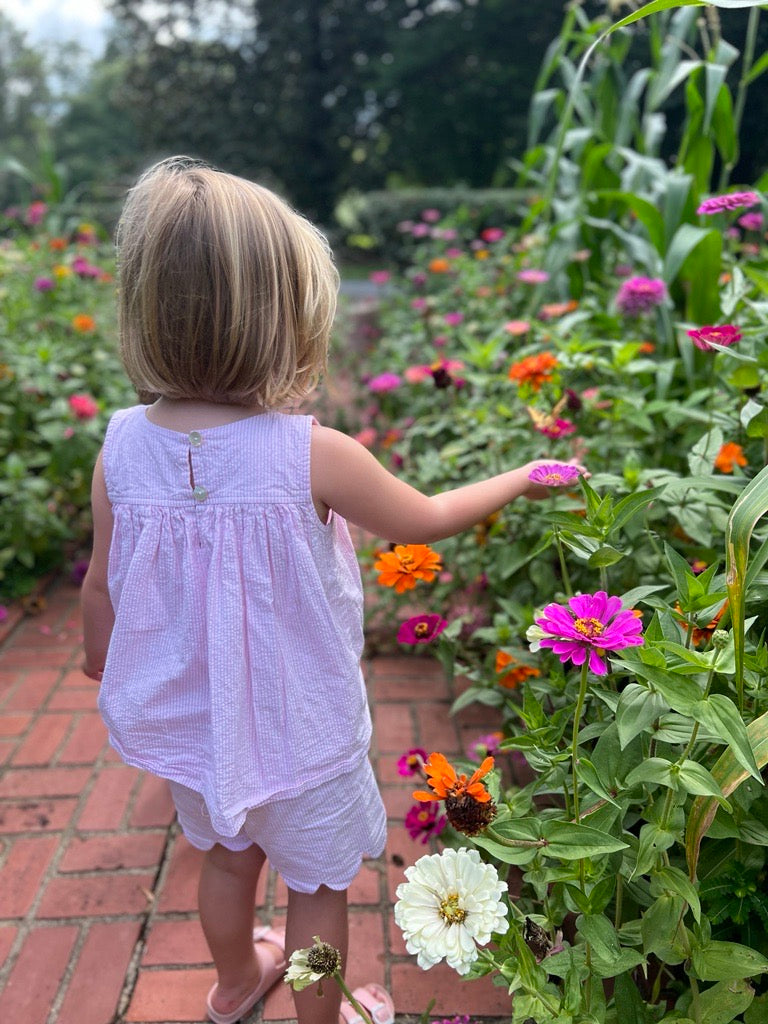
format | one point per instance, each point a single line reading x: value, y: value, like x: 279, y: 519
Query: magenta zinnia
x: 554, y: 474
x: 705, y: 337
x: 424, y: 821
x: 421, y: 629
x: 640, y: 295
x: 731, y: 201
x: 412, y: 762
x: 591, y: 626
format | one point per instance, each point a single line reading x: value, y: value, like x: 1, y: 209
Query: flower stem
x: 351, y: 999
x: 564, y: 575
x: 491, y: 833
x: 741, y: 93
x: 575, y: 736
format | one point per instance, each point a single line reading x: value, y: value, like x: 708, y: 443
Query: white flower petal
x: 460, y: 876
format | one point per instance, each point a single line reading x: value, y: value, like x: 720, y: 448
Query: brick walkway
x: 97, y: 885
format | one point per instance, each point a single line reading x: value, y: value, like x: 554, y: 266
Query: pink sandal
x: 375, y: 1000
x: 271, y: 973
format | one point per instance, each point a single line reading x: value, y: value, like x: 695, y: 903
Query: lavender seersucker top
x: 234, y: 663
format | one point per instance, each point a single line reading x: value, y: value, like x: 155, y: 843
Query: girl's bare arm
x: 98, y: 615
x: 349, y: 479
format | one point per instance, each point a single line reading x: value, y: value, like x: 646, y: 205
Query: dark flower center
x: 324, y: 959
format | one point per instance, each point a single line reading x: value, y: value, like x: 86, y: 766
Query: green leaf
x: 630, y: 1005
x: 637, y: 709
x: 608, y: 956
x: 758, y: 1011
x: 654, y: 840
x: 726, y: 961
x: 694, y: 778
x: 568, y: 841
x: 672, y: 879
x: 645, y: 211
x: 656, y: 770
x: 721, y: 716
x: 714, y: 76
x: 750, y: 506
x: 757, y: 69
x: 604, y: 556
x: 725, y: 1001
x: 663, y: 931
x: 588, y: 775
x: 526, y: 830
x: 754, y: 418
x: 729, y: 775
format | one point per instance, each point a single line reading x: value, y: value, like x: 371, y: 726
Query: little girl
x: 223, y: 603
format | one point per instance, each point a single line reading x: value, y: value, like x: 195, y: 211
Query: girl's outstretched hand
x: 545, y: 475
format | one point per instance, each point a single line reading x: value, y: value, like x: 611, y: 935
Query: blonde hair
x: 226, y: 294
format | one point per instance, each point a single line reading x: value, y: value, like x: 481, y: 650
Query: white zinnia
x: 450, y: 904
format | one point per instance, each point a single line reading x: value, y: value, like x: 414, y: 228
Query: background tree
x: 25, y: 111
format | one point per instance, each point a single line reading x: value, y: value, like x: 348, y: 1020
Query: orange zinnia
x: 442, y: 777
x: 703, y: 634
x: 406, y: 564
x: 512, y: 679
x: 555, y: 309
x: 439, y: 265
x: 83, y: 323
x: 534, y: 370
x: 730, y: 455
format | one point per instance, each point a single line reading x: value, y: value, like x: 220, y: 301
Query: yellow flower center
x: 450, y: 910
x: 589, y: 628
x: 407, y: 562
x: 421, y: 628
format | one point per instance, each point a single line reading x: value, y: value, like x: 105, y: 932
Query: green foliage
x: 636, y: 821
x: 59, y: 379
x: 372, y: 221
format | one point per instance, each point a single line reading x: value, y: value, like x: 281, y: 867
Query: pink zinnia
x: 453, y: 319
x: 367, y: 437
x: 44, y: 284
x: 492, y: 234
x: 384, y: 382
x: 83, y: 406
x: 705, y: 337
x: 559, y: 428
x: 554, y: 474
x: 35, y: 212
x: 431, y: 215
x: 751, y: 221
x: 412, y: 762
x: 485, y: 746
x: 591, y: 625
x: 532, y: 276
x: 640, y: 295
x: 379, y: 276
x: 517, y: 327
x: 83, y: 268
x: 423, y: 822
x: 730, y: 201
x: 421, y: 629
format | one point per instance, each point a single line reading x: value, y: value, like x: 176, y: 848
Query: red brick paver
x: 97, y: 885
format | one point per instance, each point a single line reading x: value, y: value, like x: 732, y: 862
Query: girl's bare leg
x: 322, y: 913
x: 226, y: 898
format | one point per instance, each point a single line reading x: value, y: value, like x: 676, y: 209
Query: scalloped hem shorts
x: 317, y: 838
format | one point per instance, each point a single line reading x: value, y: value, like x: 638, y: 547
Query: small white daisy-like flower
x: 450, y: 904
x: 311, y: 965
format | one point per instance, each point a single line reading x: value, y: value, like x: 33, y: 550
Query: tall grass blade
x: 750, y: 506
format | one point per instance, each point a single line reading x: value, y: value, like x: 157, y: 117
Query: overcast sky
x: 46, y: 20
